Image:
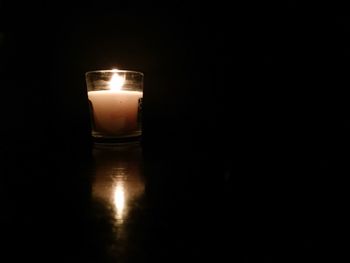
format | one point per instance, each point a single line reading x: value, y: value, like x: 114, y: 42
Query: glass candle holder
x: 115, y: 98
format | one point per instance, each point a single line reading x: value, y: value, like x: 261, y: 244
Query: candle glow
x: 116, y: 82
x: 119, y: 200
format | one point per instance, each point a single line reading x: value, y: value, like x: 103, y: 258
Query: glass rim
x: 114, y: 71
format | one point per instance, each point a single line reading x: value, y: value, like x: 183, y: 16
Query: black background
x: 249, y: 98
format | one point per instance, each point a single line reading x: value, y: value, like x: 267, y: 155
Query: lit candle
x: 115, y: 111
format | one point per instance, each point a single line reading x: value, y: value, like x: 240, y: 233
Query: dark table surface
x: 168, y: 204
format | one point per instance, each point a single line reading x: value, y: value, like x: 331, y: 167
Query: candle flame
x: 116, y: 82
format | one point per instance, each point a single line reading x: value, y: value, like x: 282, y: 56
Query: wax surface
x: 115, y: 112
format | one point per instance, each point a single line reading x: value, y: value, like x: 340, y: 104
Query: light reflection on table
x: 118, y: 181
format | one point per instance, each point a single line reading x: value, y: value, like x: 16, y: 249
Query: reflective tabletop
x: 136, y: 204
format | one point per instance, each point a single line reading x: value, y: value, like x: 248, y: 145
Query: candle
x: 115, y: 112
x: 115, y: 101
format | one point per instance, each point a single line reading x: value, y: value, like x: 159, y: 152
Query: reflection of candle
x: 119, y: 181
x: 119, y: 200
x: 115, y: 111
